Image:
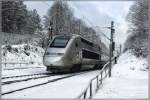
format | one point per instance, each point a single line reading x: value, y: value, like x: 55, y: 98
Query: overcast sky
x: 94, y: 13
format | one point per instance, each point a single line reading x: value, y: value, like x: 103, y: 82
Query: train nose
x: 52, y: 61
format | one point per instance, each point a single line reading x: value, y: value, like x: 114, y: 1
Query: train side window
x: 90, y: 54
x: 87, y: 42
x: 99, y: 48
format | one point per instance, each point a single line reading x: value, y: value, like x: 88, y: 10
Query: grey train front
x: 69, y: 52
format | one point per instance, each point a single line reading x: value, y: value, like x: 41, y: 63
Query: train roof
x: 76, y: 35
x: 68, y: 35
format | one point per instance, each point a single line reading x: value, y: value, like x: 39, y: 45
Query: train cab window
x: 60, y: 42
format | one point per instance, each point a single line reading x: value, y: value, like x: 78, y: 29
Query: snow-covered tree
x: 17, y: 19
x: 13, y: 16
x: 33, y: 23
x: 60, y: 15
x: 138, y: 33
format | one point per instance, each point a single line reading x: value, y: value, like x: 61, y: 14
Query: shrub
x: 26, y: 47
x: 8, y: 47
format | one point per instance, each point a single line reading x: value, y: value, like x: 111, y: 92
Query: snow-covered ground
x: 129, y: 79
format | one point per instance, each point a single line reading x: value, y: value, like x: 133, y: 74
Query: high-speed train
x: 69, y: 52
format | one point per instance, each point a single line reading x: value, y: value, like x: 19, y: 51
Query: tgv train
x: 69, y: 52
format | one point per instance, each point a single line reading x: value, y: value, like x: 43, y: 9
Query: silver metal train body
x: 69, y: 52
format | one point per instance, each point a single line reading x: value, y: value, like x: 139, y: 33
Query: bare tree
x: 64, y: 22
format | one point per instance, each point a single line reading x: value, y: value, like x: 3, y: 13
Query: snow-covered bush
x: 8, y: 47
x: 22, y: 53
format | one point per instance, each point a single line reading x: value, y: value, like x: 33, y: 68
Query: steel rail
x: 24, y: 75
x: 26, y: 79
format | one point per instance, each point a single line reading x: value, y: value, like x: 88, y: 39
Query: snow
x: 66, y: 88
x: 129, y: 79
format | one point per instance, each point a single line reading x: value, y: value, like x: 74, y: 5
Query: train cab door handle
x: 80, y: 55
x: 76, y: 45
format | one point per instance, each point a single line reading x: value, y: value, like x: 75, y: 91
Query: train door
x: 78, y: 51
x: 77, y: 57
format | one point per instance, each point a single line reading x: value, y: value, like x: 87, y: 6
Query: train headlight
x: 78, y: 55
x: 48, y: 53
x: 60, y: 54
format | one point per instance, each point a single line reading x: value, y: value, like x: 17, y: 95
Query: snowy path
x: 125, y: 88
x: 129, y: 79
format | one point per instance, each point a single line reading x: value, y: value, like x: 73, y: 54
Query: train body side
x: 78, y: 51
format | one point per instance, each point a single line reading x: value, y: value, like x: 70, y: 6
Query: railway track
x: 19, y: 76
x: 48, y: 73
x: 26, y: 79
x: 21, y: 68
x: 42, y: 83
